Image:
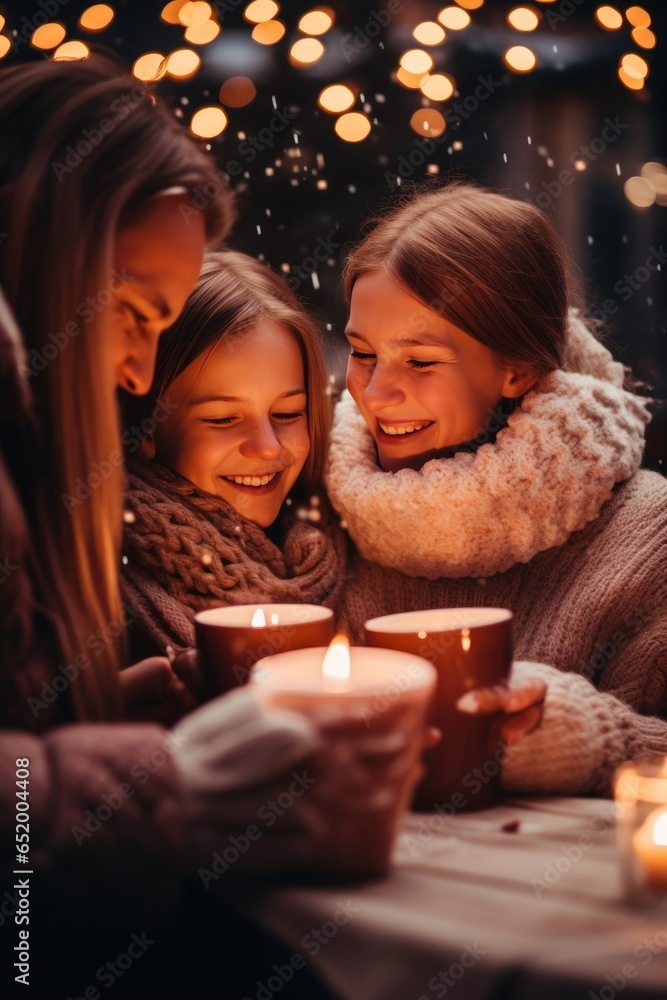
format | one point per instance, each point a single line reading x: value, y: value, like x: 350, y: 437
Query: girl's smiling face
x: 238, y: 425
x: 421, y: 383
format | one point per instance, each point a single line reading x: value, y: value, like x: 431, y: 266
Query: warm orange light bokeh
x: 336, y: 98
x: 353, y: 127
x: 97, y: 18
x: 48, y: 36
x: 208, y: 122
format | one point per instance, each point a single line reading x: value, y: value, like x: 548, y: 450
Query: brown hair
x: 82, y: 144
x: 234, y: 293
x: 491, y: 265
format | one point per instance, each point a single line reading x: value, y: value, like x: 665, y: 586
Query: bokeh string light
x: 638, y: 17
x: 454, y: 18
x: 306, y: 51
x: 609, y: 18
x: 412, y: 81
x: 97, y: 18
x: 208, y: 122
x: 416, y: 61
x: 48, y: 36
x: 182, y: 64
x: 261, y: 10
x: 72, y: 49
x: 202, y: 34
x: 150, y: 66
x: 193, y: 15
x: 237, y: 92
x: 317, y: 22
x: 639, y: 191
x: 171, y: 11
x: 418, y: 70
x: 520, y: 58
x: 523, y: 18
x: 438, y: 87
x: 353, y: 127
x: 336, y: 98
x: 428, y: 122
x: 429, y: 33
x: 656, y: 175
x: 268, y: 32
x: 643, y: 37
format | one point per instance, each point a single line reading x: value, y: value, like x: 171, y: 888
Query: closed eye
x: 138, y: 317
x: 370, y: 359
x: 219, y: 421
x: 367, y: 358
x: 286, y: 417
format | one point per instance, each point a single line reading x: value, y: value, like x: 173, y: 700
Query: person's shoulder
x: 643, y: 495
x: 636, y: 516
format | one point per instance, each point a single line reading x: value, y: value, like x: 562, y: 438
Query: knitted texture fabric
x: 547, y: 475
x: 187, y: 550
x: 593, y: 606
x: 583, y: 738
x: 596, y: 606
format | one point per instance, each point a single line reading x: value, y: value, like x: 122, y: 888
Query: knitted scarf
x: 547, y: 474
x: 186, y: 550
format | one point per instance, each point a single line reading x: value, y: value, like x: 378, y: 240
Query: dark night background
x: 285, y: 215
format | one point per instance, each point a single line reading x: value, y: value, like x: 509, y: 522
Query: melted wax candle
x: 371, y: 707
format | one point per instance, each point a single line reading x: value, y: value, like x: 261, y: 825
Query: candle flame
x: 660, y: 830
x: 336, y: 663
x: 275, y: 618
x: 465, y: 639
x: 258, y: 619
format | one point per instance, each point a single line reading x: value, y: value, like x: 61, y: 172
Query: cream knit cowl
x: 575, y: 435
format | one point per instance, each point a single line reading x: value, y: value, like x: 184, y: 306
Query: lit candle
x: 649, y: 844
x: 372, y: 707
x: 470, y: 648
x: 231, y: 640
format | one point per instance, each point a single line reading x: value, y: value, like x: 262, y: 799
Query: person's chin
x: 393, y: 459
x: 394, y: 463
x: 260, y: 510
x: 262, y: 518
x: 398, y: 455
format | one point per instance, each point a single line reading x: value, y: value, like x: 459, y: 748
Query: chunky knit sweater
x: 553, y: 521
x: 186, y: 550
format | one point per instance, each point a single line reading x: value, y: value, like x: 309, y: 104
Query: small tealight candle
x: 231, y: 640
x: 640, y: 791
x: 371, y: 706
x: 649, y: 844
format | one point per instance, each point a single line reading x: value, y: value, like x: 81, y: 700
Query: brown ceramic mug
x: 230, y: 645
x: 470, y: 648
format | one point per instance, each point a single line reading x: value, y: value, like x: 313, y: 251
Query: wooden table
x: 477, y: 907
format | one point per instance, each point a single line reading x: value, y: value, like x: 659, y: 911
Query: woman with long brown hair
x: 101, y: 246
x: 89, y: 246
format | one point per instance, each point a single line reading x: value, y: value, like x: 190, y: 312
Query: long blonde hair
x: 81, y: 145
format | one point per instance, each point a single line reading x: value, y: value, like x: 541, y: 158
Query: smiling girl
x: 487, y: 453
x: 242, y: 381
